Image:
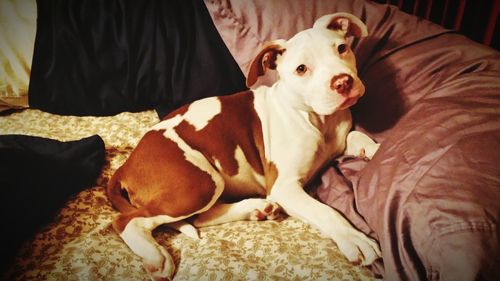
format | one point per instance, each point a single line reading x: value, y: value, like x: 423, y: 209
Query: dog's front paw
x: 360, y: 145
x: 358, y: 248
x: 269, y: 210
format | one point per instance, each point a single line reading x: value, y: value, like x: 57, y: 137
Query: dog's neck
x: 285, y: 96
x: 317, y: 120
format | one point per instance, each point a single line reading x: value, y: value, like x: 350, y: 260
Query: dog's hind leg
x: 137, y: 234
x: 248, y: 209
x: 135, y: 228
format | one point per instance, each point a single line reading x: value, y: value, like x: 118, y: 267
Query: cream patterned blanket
x: 81, y: 245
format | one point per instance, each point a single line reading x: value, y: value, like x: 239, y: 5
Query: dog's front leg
x: 356, y: 246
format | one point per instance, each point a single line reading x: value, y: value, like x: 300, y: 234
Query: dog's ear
x: 345, y: 23
x: 266, y: 59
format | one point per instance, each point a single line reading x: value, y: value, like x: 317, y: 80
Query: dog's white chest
x: 294, y: 141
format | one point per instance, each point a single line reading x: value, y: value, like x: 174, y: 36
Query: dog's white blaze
x: 217, y: 164
x: 198, y: 159
x: 193, y: 156
x: 199, y: 113
x: 246, y: 174
x: 168, y: 124
x: 202, y: 111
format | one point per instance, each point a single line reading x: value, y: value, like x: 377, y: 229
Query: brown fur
x: 218, y: 140
x: 160, y: 181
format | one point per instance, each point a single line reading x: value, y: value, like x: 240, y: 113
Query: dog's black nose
x: 342, y: 83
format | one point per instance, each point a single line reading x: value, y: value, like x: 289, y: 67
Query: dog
x: 247, y: 156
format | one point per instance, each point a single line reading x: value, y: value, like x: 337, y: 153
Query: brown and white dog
x: 247, y: 155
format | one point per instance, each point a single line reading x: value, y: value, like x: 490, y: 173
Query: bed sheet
x: 80, y: 243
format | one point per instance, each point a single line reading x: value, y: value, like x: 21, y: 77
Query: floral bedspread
x: 80, y: 243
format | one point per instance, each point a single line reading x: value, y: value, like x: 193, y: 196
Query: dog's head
x: 316, y: 67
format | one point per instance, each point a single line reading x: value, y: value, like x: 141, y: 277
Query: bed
x: 431, y: 199
x: 80, y: 244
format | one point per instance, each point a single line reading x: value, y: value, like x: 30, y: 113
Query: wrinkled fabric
x: 105, y: 57
x: 37, y: 177
x: 430, y: 195
x: 246, y: 25
x: 435, y: 107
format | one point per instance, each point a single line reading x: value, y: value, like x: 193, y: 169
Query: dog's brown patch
x: 158, y: 177
x: 237, y: 125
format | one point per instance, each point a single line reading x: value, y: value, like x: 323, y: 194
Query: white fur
x: 304, y: 124
x: 199, y: 113
x: 359, y: 144
x: 241, y: 210
x: 317, y: 49
x: 202, y: 111
x: 185, y: 228
x: 246, y: 180
x: 137, y: 235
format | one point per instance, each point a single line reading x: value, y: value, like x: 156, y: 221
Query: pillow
x: 246, y: 25
x: 430, y: 194
x: 17, y: 37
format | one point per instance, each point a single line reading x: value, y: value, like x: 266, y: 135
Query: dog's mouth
x: 348, y: 103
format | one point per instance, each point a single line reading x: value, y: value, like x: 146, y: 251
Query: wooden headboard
x: 476, y: 19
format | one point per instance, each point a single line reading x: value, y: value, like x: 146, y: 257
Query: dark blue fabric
x: 96, y: 57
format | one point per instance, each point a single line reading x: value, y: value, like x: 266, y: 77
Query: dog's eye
x: 342, y: 48
x: 301, y: 69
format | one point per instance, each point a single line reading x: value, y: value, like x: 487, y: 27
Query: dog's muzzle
x: 342, y: 83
